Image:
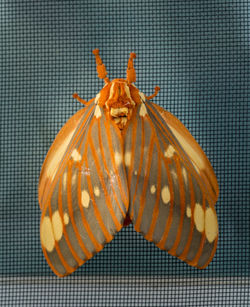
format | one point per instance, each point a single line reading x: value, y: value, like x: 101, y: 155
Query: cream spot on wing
x: 96, y: 191
x: 143, y: 110
x: 195, y: 156
x: 118, y: 158
x: 97, y: 98
x: 143, y: 98
x: 199, y: 217
x: 47, y: 237
x: 64, y: 181
x: 53, y: 164
x: 165, y: 194
x: 152, y: 189
x: 127, y: 158
x: 211, y: 225
x: 169, y: 152
x: 185, y: 175
x: 76, y: 155
x: 66, y: 218
x: 188, y: 211
x: 85, y: 199
x: 57, y: 225
x: 98, y: 112
x: 135, y: 172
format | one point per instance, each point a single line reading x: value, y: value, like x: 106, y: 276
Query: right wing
x: 170, y: 202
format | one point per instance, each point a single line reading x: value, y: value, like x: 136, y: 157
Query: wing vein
x: 149, y: 235
x: 186, y: 160
x: 190, y: 236
x: 133, y: 143
x: 71, y: 213
x: 123, y: 194
x: 66, y: 156
x: 73, y: 252
x: 107, y: 197
x: 145, y: 183
x: 85, y: 222
x: 107, y: 170
x: 182, y: 206
x: 139, y: 169
x: 106, y: 233
x: 64, y: 263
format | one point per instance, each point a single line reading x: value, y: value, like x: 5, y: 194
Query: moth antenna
x: 100, y: 67
x: 131, y: 74
x: 155, y: 93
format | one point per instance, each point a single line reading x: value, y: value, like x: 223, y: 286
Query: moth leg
x: 155, y: 93
x: 83, y: 101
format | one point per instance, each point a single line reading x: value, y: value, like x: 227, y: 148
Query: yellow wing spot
x: 185, y: 175
x: 199, y: 217
x: 46, y: 232
x: 191, y: 151
x: 53, y: 164
x: 127, y: 158
x: 76, y: 155
x: 66, y: 218
x: 211, y: 225
x: 98, y: 112
x: 64, y: 179
x: 188, y: 212
x: 165, y: 194
x: 153, y: 189
x: 135, y: 172
x: 143, y: 110
x: 118, y: 158
x: 85, y: 199
x: 57, y: 225
x: 169, y: 152
x: 97, y: 98
x: 96, y: 191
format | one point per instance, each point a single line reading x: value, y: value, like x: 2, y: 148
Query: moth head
x: 119, y: 97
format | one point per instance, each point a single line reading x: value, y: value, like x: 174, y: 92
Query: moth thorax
x: 120, y: 104
x: 119, y: 99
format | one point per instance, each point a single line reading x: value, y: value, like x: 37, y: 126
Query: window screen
x: 198, y: 53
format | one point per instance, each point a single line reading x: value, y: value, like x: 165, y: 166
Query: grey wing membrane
x: 169, y: 203
x: 87, y: 201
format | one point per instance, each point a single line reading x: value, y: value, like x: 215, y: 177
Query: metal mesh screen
x: 198, y: 53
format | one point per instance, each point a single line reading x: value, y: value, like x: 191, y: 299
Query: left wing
x: 82, y: 190
x: 172, y: 187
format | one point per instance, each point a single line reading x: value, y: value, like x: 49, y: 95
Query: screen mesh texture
x: 198, y: 53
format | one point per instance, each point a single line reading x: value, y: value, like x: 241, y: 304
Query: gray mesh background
x: 198, y: 53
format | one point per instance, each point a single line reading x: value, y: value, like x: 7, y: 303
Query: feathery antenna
x: 131, y: 74
x: 100, y: 67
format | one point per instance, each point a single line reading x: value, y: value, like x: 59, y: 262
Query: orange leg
x: 155, y: 93
x: 78, y: 98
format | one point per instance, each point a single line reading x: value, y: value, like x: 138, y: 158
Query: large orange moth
x: 124, y: 159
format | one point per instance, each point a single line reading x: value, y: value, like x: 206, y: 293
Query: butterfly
x: 123, y: 159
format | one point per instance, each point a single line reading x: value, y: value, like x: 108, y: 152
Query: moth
x: 123, y: 159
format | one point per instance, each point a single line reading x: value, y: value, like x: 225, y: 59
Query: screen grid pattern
x: 198, y: 53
